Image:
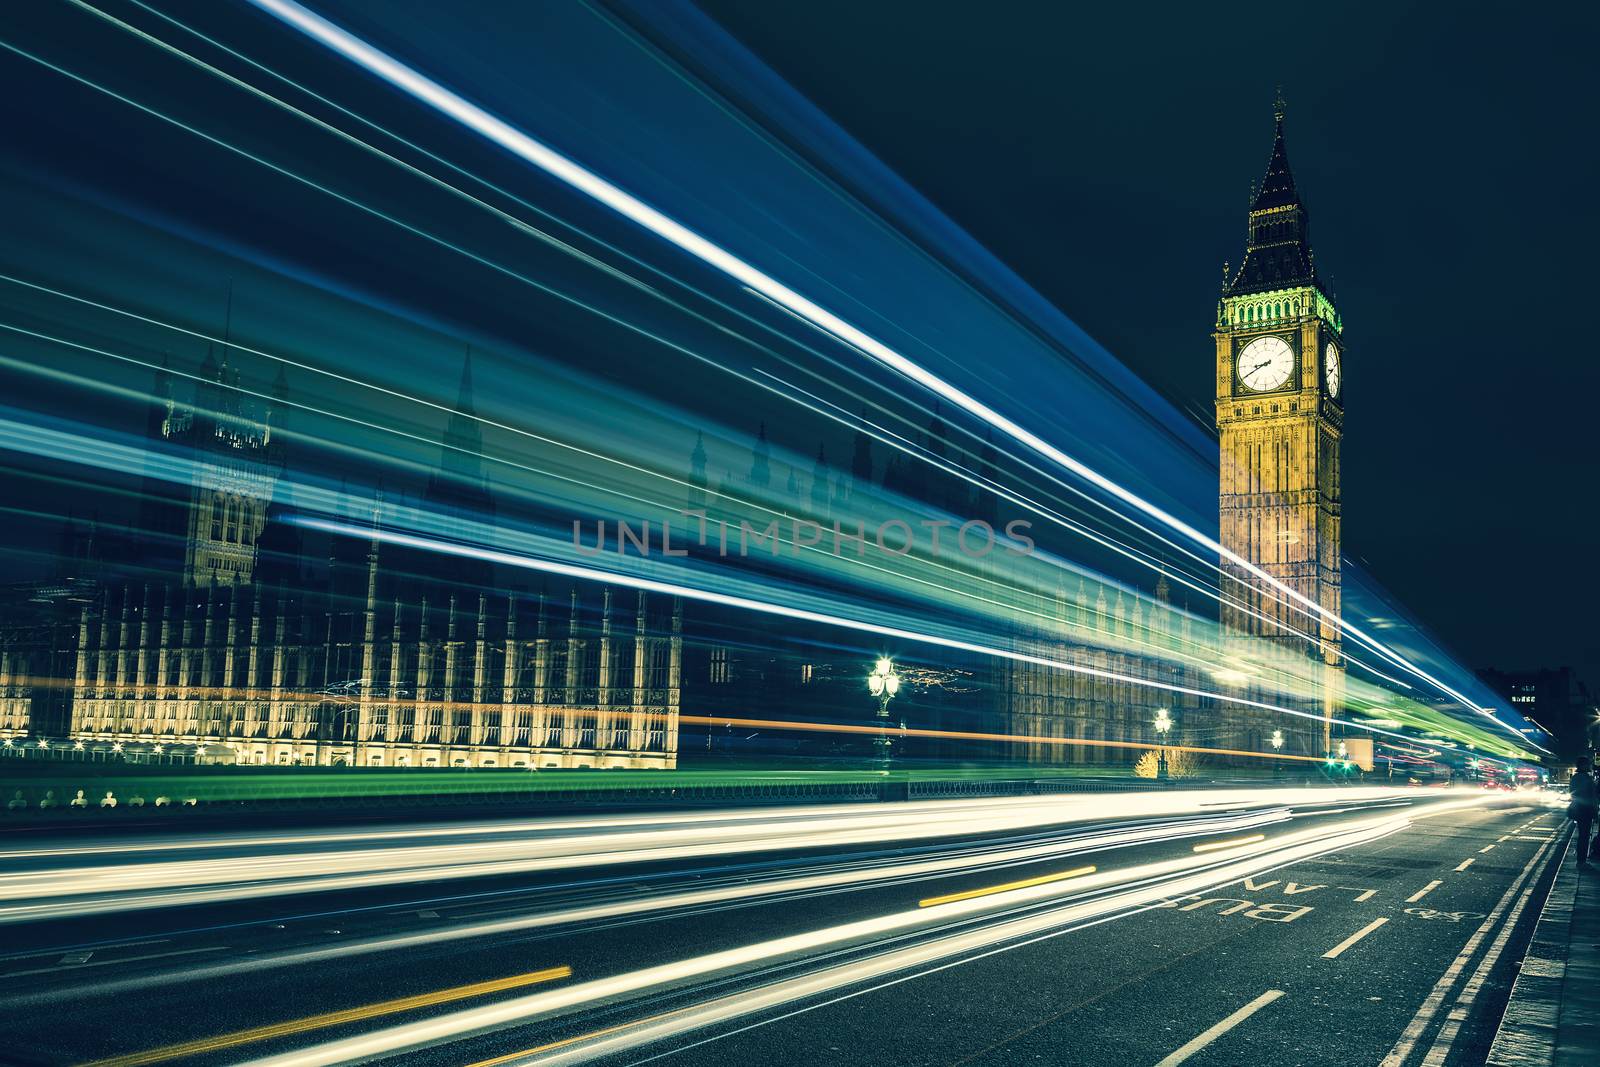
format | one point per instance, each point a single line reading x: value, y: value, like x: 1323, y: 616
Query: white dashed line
x: 1333, y: 953
x: 1200, y: 1042
x: 1424, y: 891
x: 1464, y: 864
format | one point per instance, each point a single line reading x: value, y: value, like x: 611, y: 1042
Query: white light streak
x: 631, y: 207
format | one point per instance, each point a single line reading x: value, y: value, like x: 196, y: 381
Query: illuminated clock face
x: 1265, y: 363
x: 1330, y: 364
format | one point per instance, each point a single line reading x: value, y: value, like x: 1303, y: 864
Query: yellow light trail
x: 333, y: 1018
x: 1025, y: 883
x: 1235, y: 843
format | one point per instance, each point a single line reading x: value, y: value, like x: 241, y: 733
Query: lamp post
x: 883, y: 683
x: 1163, y: 724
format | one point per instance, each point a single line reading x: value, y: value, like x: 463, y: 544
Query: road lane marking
x: 1465, y: 864
x: 1235, y: 843
x: 1435, y: 1000
x: 1484, y: 849
x: 332, y: 1018
x: 1206, y: 1038
x: 75, y: 957
x: 1502, y: 837
x: 40, y: 952
x: 113, y: 962
x: 1424, y: 891
x: 1333, y: 953
x: 1076, y: 872
x: 1469, y: 992
x: 1361, y: 894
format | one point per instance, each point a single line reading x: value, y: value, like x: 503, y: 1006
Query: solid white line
x: 1333, y: 953
x: 1464, y: 864
x: 1221, y: 1028
x: 1435, y: 1000
x: 1424, y: 891
x: 1469, y: 992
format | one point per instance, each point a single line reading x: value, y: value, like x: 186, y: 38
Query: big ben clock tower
x: 1280, y: 377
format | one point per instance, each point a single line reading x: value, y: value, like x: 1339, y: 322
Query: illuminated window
x: 721, y: 669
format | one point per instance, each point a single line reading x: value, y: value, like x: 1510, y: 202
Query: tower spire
x: 464, y: 393
x: 1278, y: 246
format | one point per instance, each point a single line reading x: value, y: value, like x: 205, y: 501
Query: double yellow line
x: 333, y: 1018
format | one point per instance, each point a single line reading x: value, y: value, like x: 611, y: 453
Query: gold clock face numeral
x: 1330, y: 365
x: 1265, y: 364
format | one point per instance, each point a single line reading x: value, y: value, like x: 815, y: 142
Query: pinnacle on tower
x: 1278, y: 245
x: 464, y: 392
x: 760, y: 463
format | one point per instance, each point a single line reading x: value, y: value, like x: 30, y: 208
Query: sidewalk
x: 1553, y: 1017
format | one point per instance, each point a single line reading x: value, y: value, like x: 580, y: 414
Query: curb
x: 1527, y: 1034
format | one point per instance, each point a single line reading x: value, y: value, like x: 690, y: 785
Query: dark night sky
x: 1447, y: 157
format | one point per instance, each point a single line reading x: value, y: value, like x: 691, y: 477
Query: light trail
x: 422, y: 233
x: 520, y: 277
x: 631, y: 207
x: 1024, y: 883
x: 1160, y: 881
x: 741, y: 892
x: 79, y: 888
x: 1217, y: 846
x: 324, y: 1020
x: 64, y: 446
x: 805, y: 615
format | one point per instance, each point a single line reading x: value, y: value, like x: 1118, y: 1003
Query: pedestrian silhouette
x: 1583, y: 807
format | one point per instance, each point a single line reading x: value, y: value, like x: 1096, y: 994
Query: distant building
x: 202, y: 632
x: 1555, y: 700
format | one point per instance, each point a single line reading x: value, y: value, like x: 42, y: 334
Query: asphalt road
x: 1384, y: 931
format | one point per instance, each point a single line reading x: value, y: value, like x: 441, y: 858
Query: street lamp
x: 1163, y: 724
x: 883, y: 683
x: 1277, y: 747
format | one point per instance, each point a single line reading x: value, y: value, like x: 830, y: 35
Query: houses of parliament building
x: 223, y: 643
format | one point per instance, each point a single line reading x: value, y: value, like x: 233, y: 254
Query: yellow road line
x: 1024, y: 884
x: 332, y: 1018
x: 1215, y: 845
